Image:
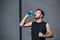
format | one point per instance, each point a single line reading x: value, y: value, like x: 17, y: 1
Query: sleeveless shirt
x: 36, y: 28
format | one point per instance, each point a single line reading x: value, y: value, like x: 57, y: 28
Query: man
x: 37, y: 31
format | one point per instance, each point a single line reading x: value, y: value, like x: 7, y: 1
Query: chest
x: 37, y: 27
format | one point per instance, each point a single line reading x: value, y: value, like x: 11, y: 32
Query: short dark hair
x: 42, y: 12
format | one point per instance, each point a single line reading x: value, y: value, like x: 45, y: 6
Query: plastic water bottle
x: 30, y: 13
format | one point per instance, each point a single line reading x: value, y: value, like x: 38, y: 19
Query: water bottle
x: 30, y: 13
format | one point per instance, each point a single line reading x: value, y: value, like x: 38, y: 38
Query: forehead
x: 38, y: 11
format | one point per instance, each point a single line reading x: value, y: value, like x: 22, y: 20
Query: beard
x: 37, y: 18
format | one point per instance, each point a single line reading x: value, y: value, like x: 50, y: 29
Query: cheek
x: 38, y: 15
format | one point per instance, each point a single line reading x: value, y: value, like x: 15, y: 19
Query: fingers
x: 40, y: 34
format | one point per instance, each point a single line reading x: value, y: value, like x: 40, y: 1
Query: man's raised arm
x: 22, y: 23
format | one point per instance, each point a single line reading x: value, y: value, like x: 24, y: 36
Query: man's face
x: 37, y: 14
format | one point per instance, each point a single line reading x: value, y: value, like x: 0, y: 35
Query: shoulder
x: 48, y: 25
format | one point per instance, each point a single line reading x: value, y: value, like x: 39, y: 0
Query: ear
x: 41, y: 15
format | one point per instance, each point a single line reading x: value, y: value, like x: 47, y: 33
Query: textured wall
x: 9, y: 19
x: 52, y: 14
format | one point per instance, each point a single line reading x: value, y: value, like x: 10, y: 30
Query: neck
x: 39, y: 20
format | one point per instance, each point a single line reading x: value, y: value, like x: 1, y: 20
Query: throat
x: 38, y: 21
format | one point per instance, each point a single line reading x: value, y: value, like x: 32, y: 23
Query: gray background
x: 52, y: 16
x: 9, y: 20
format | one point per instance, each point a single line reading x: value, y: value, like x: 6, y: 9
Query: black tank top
x: 36, y: 28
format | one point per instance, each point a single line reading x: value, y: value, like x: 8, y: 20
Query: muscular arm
x: 28, y: 24
x: 24, y: 24
x: 49, y: 31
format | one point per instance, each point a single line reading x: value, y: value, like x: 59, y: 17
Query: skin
x: 38, y: 18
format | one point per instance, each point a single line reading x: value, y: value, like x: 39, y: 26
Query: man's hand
x: 40, y: 34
